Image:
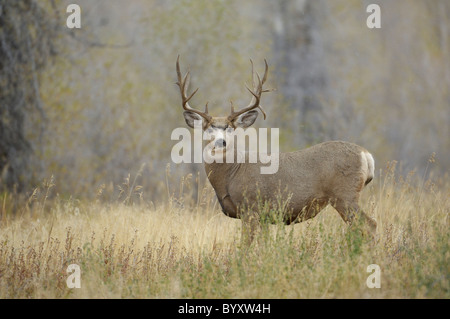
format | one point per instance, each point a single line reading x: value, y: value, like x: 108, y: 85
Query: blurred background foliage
x: 91, y: 106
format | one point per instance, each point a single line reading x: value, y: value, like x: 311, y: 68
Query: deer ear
x: 247, y: 119
x: 190, y: 117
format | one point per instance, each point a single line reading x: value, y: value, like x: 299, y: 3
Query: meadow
x: 189, y: 249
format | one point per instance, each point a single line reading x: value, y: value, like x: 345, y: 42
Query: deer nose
x: 220, y: 143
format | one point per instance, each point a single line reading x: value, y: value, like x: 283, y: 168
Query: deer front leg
x: 251, y: 226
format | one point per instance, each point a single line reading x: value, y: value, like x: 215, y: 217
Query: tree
x: 27, y: 37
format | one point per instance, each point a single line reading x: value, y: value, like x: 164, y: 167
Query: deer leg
x: 251, y: 226
x: 350, y: 212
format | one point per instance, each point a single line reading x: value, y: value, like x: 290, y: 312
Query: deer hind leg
x: 351, y: 212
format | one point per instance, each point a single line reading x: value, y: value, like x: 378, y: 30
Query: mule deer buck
x: 328, y: 173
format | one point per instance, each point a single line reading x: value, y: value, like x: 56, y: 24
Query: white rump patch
x: 367, y: 165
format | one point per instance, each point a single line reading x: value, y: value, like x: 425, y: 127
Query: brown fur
x: 309, y: 179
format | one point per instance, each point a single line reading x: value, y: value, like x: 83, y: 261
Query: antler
x: 183, y: 83
x: 256, y: 92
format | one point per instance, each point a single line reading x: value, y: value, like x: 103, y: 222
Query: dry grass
x: 173, y: 251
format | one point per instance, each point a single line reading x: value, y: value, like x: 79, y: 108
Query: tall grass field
x: 178, y: 249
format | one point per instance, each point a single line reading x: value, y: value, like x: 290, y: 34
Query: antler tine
x: 256, y: 93
x: 183, y: 83
x: 253, y: 73
x: 186, y: 80
x: 231, y: 107
x: 265, y: 71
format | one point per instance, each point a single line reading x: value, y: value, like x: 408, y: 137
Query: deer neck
x: 219, y: 175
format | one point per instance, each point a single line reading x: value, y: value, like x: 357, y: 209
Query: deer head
x: 218, y: 127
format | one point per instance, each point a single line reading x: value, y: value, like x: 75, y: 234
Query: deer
x: 330, y: 173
